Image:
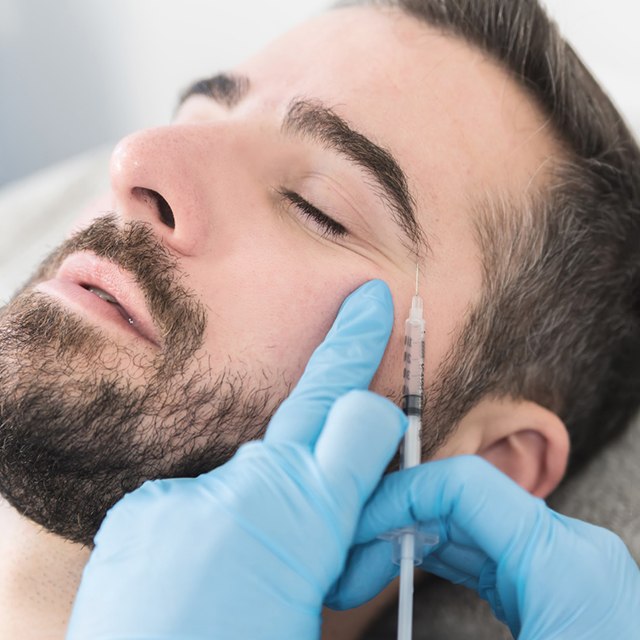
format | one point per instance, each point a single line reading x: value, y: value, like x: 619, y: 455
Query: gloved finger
x: 466, y: 494
x: 458, y: 558
x: 447, y: 572
x: 346, y: 360
x: 368, y: 570
x: 357, y: 443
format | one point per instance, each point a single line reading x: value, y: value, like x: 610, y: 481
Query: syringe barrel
x: 413, y: 384
x: 413, y: 376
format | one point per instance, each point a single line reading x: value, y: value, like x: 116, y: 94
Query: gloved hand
x: 545, y: 575
x: 249, y: 550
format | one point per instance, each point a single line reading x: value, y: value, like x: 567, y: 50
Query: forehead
x: 457, y: 123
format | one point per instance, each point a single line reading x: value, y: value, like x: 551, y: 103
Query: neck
x: 39, y: 576
x: 351, y: 624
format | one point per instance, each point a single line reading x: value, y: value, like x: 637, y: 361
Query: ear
x: 523, y: 439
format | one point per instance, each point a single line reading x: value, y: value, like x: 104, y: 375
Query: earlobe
x: 521, y: 438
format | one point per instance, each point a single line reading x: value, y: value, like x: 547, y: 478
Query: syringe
x: 408, y: 540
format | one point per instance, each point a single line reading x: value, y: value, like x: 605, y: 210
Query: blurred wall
x: 78, y: 73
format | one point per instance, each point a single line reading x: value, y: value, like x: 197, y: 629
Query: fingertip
x: 368, y: 570
x: 363, y: 325
x: 347, y: 359
x: 379, y: 290
x: 374, y: 291
x: 371, y: 414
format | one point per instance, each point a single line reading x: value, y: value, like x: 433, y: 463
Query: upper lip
x: 88, y: 270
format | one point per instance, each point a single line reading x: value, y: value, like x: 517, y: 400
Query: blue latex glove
x: 249, y: 550
x: 545, y: 575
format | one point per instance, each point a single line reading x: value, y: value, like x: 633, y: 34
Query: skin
x: 270, y: 281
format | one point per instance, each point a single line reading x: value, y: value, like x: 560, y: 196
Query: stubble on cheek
x: 77, y: 433
x: 84, y: 419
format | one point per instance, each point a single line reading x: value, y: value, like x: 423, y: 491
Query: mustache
x: 175, y: 309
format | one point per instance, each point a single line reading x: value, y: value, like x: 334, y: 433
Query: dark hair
x: 559, y: 317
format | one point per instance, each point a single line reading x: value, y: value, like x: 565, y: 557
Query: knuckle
x: 358, y: 402
x: 613, y: 541
x: 350, y: 405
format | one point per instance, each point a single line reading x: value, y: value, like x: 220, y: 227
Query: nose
x: 159, y: 176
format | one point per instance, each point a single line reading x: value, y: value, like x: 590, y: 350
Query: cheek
x: 269, y: 309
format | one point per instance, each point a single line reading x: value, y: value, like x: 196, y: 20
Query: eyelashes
x: 328, y: 226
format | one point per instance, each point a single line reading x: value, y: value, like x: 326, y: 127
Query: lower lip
x: 87, y: 303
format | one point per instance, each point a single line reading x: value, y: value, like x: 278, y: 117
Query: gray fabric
x: 606, y: 492
x: 37, y: 213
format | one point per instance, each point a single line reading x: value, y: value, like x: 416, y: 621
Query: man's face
x: 217, y: 221
x: 273, y: 278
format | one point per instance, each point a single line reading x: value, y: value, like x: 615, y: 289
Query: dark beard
x: 76, y: 431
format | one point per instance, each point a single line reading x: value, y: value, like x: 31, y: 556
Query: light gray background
x: 78, y: 73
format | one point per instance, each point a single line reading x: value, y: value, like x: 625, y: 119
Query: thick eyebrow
x: 314, y: 120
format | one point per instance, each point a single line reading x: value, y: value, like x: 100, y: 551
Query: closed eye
x: 329, y: 227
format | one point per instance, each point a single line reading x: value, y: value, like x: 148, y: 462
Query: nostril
x: 166, y: 214
x: 164, y: 208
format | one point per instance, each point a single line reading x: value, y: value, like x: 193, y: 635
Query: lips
x: 107, y: 297
x: 113, y: 285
